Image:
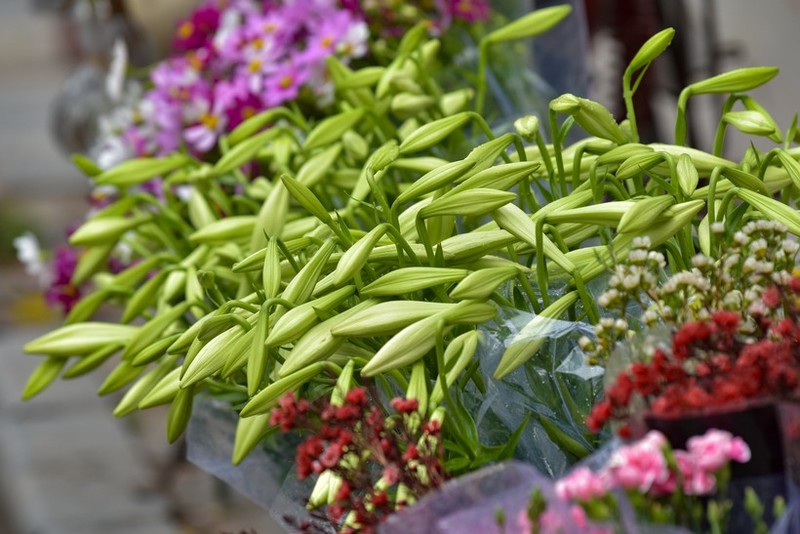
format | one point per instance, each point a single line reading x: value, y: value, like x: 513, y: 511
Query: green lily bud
x: 744, y: 179
x: 790, y: 165
x: 388, y: 318
x: 356, y: 256
x: 343, y: 384
x: 152, y: 330
x: 306, y: 198
x: 243, y: 152
x: 318, y: 166
x: 80, y: 339
x: 644, y: 213
x: 163, y: 392
x: 418, y: 387
x: 122, y: 375
x: 319, y: 343
x: 137, y: 171
x: 405, y: 347
x: 472, y: 202
x: 101, y: 231
x: 650, y: 50
x: 687, y: 175
x: 531, y: 25
x: 296, y: 322
x: 227, y: 229
x: 267, y: 397
x: 302, y: 285
x: 92, y: 361
x: 356, y: 146
x: 433, y: 133
x: 735, y: 81
x: 479, y: 285
x: 154, y: 351
x: 435, y: 179
x: 410, y: 279
x: 520, y: 351
x: 331, y: 129
x: 406, y: 105
x: 750, y: 122
x: 130, y: 401
x: 180, y: 411
x: 455, y: 101
x: 85, y: 165
x: 527, y: 127
x: 772, y: 208
x: 249, y: 432
x: 44, y: 375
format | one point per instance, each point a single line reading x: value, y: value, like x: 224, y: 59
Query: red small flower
x: 727, y: 321
x: 620, y: 393
x: 380, y: 499
x: 771, y: 297
x: 599, y: 415
x: 794, y: 284
x: 357, y: 397
x: 402, y: 405
x: 344, y: 491
x: 411, y: 453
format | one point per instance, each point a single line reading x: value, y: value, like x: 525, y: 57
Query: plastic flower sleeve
x: 556, y: 386
x: 266, y: 478
x: 469, y: 504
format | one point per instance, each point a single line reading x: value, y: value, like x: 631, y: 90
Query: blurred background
x: 66, y: 464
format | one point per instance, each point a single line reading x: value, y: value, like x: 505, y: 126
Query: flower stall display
x: 660, y: 486
x: 383, y: 238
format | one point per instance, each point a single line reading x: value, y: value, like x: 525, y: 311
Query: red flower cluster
x: 713, y: 364
x: 362, y: 445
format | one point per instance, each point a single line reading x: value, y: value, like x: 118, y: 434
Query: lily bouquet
x: 397, y: 242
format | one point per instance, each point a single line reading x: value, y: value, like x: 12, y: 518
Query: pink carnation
x: 716, y: 448
x: 640, y: 465
x: 696, y: 481
x: 582, y: 484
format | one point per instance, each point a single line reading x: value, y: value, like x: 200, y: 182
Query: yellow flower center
x: 286, y: 82
x: 270, y: 27
x: 327, y: 41
x: 209, y: 121
x: 254, y: 66
x: 185, y: 30
x: 248, y: 111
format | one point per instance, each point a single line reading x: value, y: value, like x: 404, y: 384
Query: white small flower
x: 641, y: 242
x: 183, y: 192
x: 354, y: 42
x: 631, y: 281
x: 637, y: 256
x: 30, y: 255
x: 718, y: 228
x: 621, y: 325
x: 700, y: 261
